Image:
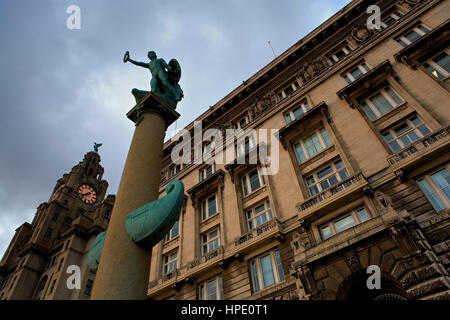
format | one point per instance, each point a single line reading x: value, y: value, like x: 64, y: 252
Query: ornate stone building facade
x: 35, y: 264
x: 363, y: 179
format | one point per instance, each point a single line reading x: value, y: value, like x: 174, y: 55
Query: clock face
x: 87, y: 194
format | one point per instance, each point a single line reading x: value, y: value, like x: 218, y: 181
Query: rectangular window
x: 88, y: 289
x: 380, y: 103
x: 356, y: 73
x: 436, y: 188
x: 209, y: 207
x: 174, y: 231
x: 243, y: 147
x: 439, y: 65
x: 174, y: 170
x: 326, y: 178
x: 239, y: 124
x: 266, y: 270
x: 297, y: 111
x: 344, y: 222
x: 211, y: 289
x: 287, y: 91
x: 312, y: 145
x: 406, y: 133
x: 412, y: 35
x: 339, y: 54
x: 252, y: 181
x: 390, y: 19
x: 259, y: 215
x: 170, y: 262
x: 210, y: 241
x: 207, y: 171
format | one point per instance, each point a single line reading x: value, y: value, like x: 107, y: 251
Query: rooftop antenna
x: 272, y: 49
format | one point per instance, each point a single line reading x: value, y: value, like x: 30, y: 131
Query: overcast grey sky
x: 63, y: 89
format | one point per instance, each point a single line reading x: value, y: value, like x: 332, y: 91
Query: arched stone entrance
x: 354, y: 287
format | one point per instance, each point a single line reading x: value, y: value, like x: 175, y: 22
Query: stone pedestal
x: 124, y: 267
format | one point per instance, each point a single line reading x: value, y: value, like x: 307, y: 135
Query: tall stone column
x: 123, y: 272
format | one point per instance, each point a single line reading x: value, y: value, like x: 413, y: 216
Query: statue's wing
x: 174, y: 73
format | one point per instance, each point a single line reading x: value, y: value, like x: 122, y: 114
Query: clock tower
x: 35, y: 264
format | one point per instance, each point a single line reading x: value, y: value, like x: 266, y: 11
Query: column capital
x: 153, y: 103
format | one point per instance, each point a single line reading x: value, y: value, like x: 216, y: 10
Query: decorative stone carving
x: 383, y: 200
x: 312, y: 68
x: 360, y: 34
x: 352, y: 260
x: 296, y: 244
x: 261, y: 104
x: 408, y: 4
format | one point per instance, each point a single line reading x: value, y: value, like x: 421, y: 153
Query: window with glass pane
x: 209, y: 207
x: 259, y: 215
x: 439, y: 66
x: 253, y: 181
x: 326, y: 178
x: 343, y: 223
x: 442, y: 179
x: 170, y: 262
x: 211, y: 289
x: 266, y: 270
x: 412, y: 35
x: 173, y: 232
x: 431, y: 195
x: 210, y: 241
x: 381, y: 103
x: 406, y: 133
x: 297, y: 112
x: 312, y: 145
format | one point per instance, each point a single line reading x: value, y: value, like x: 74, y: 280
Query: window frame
x: 204, y: 205
x: 404, y: 42
x: 246, y: 184
x: 169, y: 263
x: 202, y: 173
x: 209, y: 240
x: 333, y: 59
x: 281, y: 93
x: 317, y: 181
x: 169, y: 236
x: 383, y: 92
x: 443, y: 199
x: 331, y: 223
x: 437, y: 68
x: 397, y: 138
x: 396, y: 15
x: 257, y: 279
x: 348, y: 76
x: 203, y: 288
x: 241, y: 147
x: 251, y: 215
x: 304, y: 106
x: 302, y: 144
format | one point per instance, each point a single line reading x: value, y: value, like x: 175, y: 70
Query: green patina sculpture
x: 147, y: 225
x: 165, y: 78
x: 96, y: 146
x: 96, y: 251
